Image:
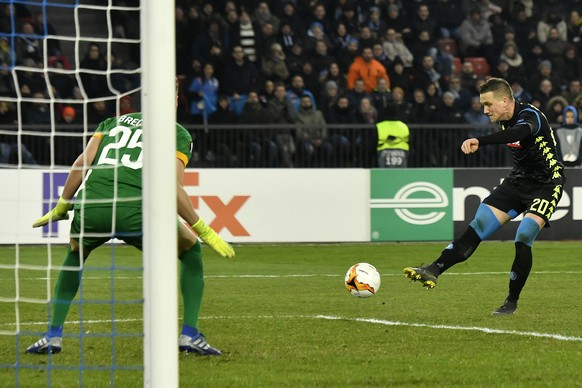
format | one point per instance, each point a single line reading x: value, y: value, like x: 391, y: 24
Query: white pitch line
x: 271, y: 276
x: 487, y: 330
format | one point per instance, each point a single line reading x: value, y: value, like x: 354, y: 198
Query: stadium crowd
x: 285, y: 83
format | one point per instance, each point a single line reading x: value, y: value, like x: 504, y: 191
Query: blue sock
x: 189, y: 331
x: 55, y: 331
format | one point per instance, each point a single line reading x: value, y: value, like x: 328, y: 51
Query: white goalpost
x: 159, y: 194
x: 32, y: 188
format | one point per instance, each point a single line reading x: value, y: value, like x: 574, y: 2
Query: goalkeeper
x: 111, y: 201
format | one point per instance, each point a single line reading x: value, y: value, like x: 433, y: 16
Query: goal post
x: 159, y: 194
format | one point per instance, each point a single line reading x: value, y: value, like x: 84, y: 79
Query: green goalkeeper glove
x: 209, y: 236
x: 59, y: 212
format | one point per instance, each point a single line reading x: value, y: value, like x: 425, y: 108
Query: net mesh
x: 65, y: 66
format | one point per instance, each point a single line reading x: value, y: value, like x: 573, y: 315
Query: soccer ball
x: 363, y: 280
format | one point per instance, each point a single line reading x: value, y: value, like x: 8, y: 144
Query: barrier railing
x: 272, y: 146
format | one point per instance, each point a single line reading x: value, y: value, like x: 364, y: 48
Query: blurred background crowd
x: 304, y: 83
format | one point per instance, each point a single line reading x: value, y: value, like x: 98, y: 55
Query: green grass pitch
x: 283, y: 318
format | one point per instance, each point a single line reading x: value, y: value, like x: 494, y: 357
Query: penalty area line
x: 486, y: 330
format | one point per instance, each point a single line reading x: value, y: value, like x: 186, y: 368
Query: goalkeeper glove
x: 209, y: 236
x: 59, y: 212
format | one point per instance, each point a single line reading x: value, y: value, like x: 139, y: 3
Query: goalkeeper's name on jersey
x: 130, y: 121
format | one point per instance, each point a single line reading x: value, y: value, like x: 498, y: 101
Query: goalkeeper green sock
x: 192, y: 284
x: 65, y: 290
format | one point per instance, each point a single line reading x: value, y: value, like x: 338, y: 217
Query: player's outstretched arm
x: 187, y: 212
x: 74, y: 180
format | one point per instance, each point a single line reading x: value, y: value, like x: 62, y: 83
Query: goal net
x: 65, y: 66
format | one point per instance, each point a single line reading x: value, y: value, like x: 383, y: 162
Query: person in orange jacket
x: 368, y: 69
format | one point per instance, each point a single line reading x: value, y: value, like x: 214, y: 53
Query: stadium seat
x: 480, y: 65
x: 456, y: 65
x: 447, y: 46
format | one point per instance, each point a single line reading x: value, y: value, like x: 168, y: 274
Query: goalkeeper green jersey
x: 115, y: 174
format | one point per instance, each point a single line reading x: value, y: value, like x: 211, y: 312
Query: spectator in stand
x: 510, y: 54
x: 366, y: 68
x: 448, y: 154
x: 297, y: 91
x: 334, y: 74
x: 341, y: 37
x: 543, y: 93
x: 62, y: 84
x: 356, y: 94
x: 487, y: 8
x: 394, y: 48
x: 380, y: 55
x: 246, y: 35
x: 554, y: 109
x: 240, y: 77
x: 433, y: 95
x: 462, y: 95
x: 569, y: 64
x: 519, y: 93
x: 569, y: 138
x: 263, y: 16
x: 296, y: 58
x: 427, y: 74
x: 42, y: 27
x: 5, y: 52
x: 420, y: 111
x: 319, y: 16
x: 315, y: 34
x: 214, y: 33
x: 375, y: 23
x: 502, y: 70
x: 574, y: 90
x: 183, y: 40
x: 399, y: 108
x: 575, y: 28
x: 468, y: 76
x: 476, y: 36
x: 524, y: 27
x: 27, y: 45
x: 287, y: 37
x: 544, y: 71
x: 381, y: 98
x: 222, y: 142
x: 311, y: 79
x: 349, y: 19
x: 533, y: 58
x: 98, y: 111
x: 367, y: 39
x: 398, y: 22
x: 555, y: 46
x: 273, y: 64
x: 449, y: 16
x: 328, y: 98
x: 474, y: 115
x: 38, y: 113
x: 423, y: 45
x: 203, y: 94
x: 423, y: 21
x: 259, y: 150
x: 7, y: 85
x: 341, y: 139
x: 267, y: 92
x: 10, y: 151
x: 401, y: 76
x: 290, y: 16
x: 321, y: 59
x: 30, y: 82
x: 553, y: 19
x: 313, y: 149
x: 125, y: 106
x: 282, y: 112
x: 267, y: 38
x: 346, y: 56
x: 95, y: 85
